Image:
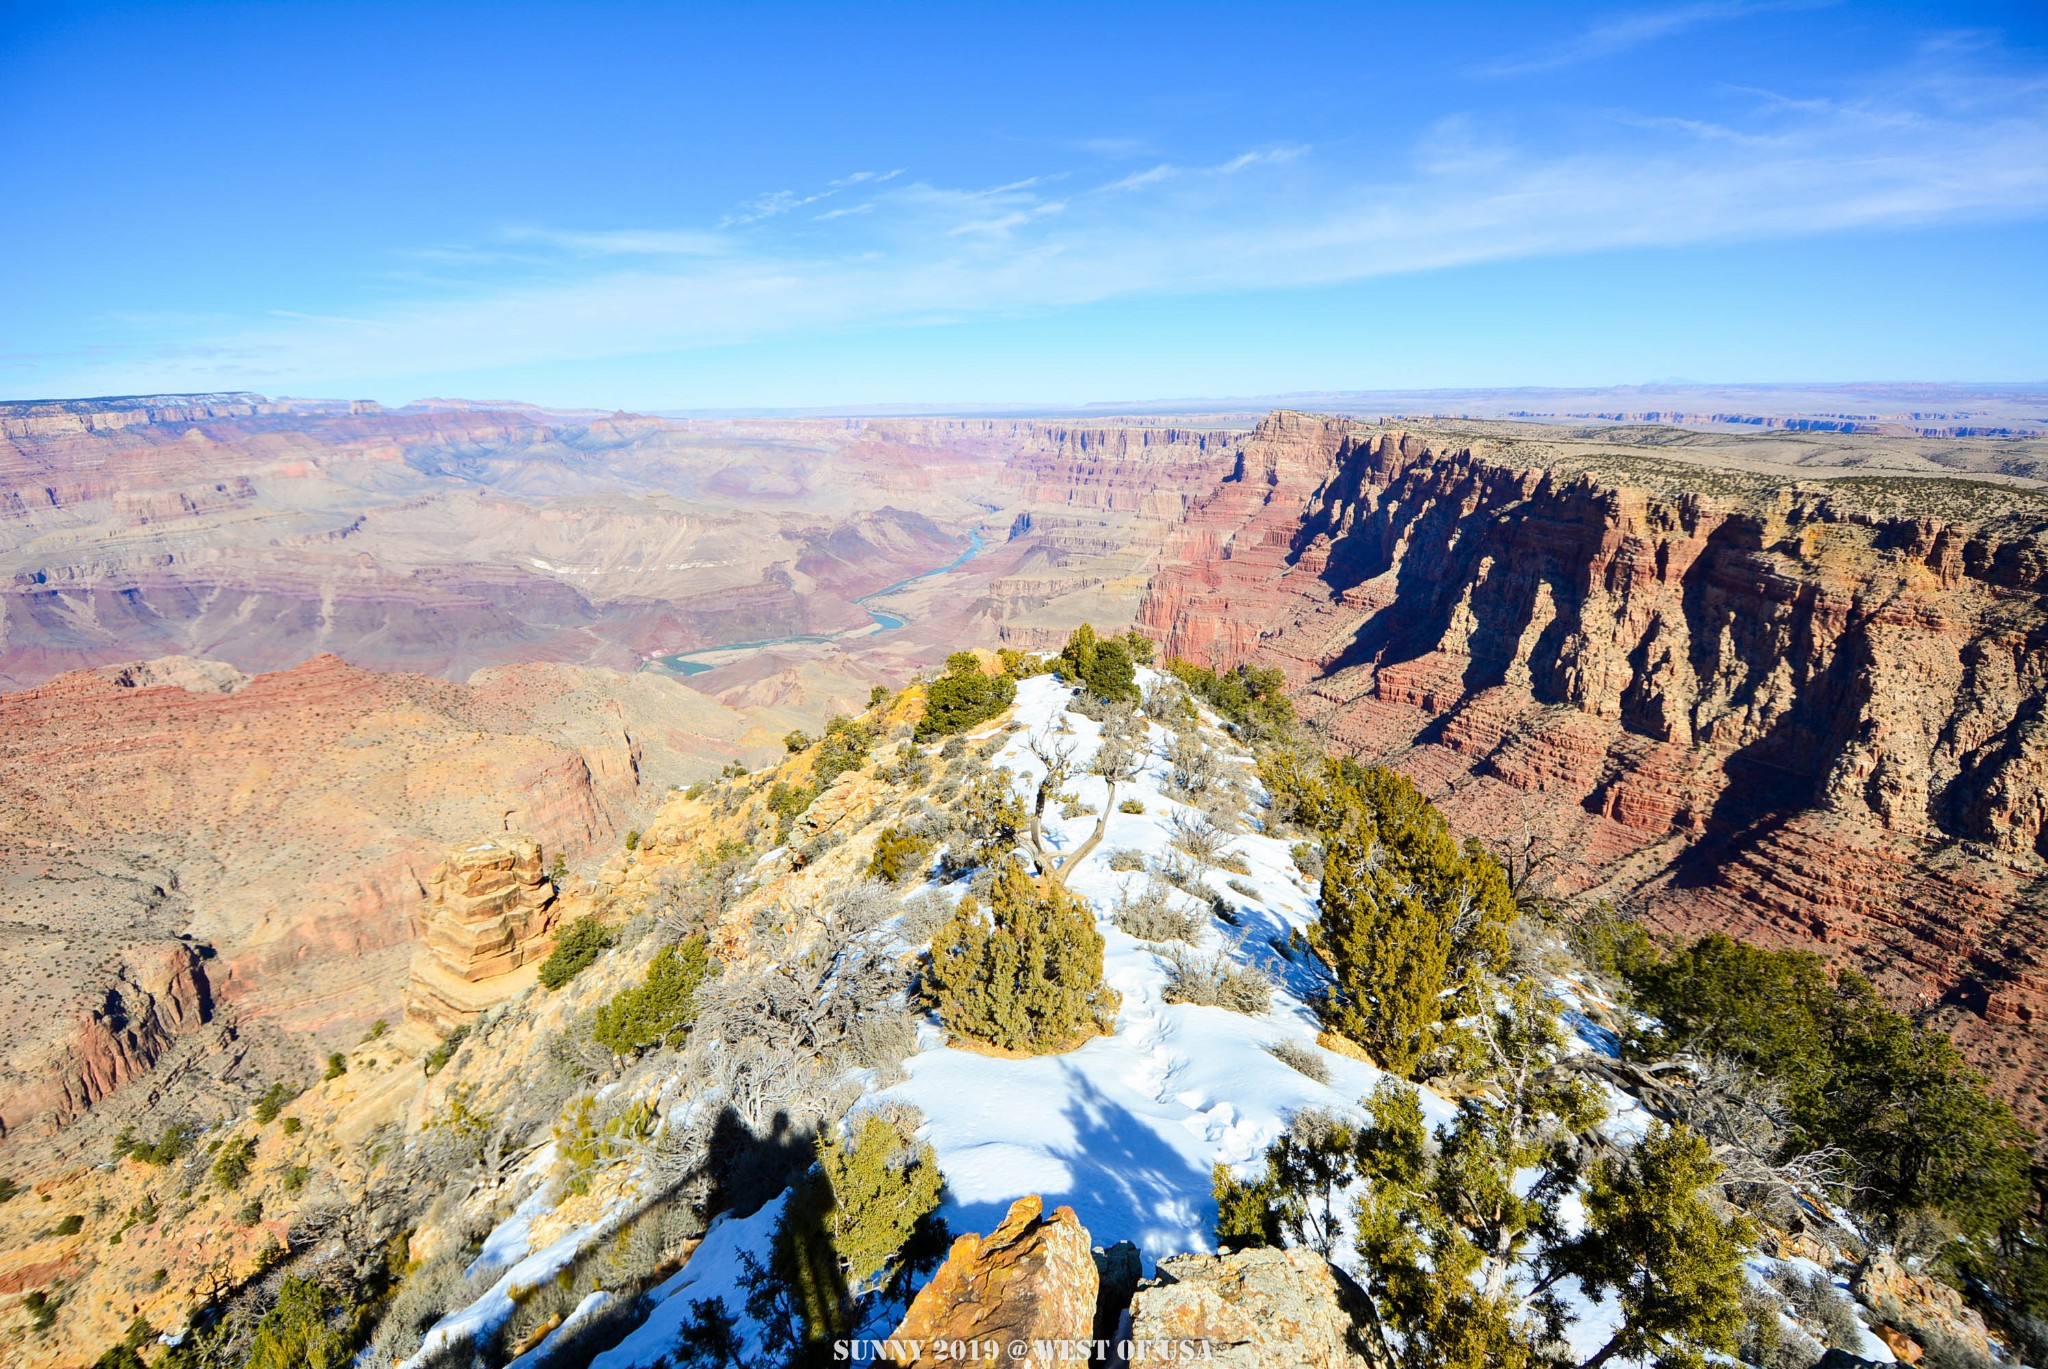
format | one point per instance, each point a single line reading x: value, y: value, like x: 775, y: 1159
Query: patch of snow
x: 713, y: 1271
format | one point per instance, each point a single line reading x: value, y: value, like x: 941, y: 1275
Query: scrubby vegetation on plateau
x: 712, y: 1035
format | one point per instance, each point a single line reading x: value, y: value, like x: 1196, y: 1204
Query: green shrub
x: 275, y: 1099
x: 295, y: 1177
x: 251, y: 1213
x: 1021, y: 665
x: 443, y: 1053
x: 69, y: 1226
x: 660, y: 1009
x: 633, y: 839
x: 376, y: 1031
x: 232, y: 1162
x: 576, y: 949
x: 292, y: 1126
x: 844, y: 747
x: 337, y: 1065
x: 788, y: 802
x: 586, y: 1143
x: 963, y: 696
x: 1252, y: 698
x: 900, y: 855
x: 1028, y: 977
x: 309, y: 1327
x: 796, y: 741
x: 860, y: 1223
x: 1131, y: 806
x: 1102, y: 665
x: 174, y: 1143
x: 8, y: 1188
x: 41, y: 1309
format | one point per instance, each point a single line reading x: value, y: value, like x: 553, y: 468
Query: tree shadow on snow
x: 1125, y: 1180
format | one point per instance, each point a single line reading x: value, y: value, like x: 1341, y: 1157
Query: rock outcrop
x: 1257, y: 1309
x: 1031, y: 1280
x: 1925, y: 1309
x: 287, y: 822
x: 489, y: 911
x: 1801, y: 711
x: 152, y: 995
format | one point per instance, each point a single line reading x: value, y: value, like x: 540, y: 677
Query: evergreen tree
x: 963, y: 696
x: 1410, y: 921
x: 858, y: 1224
x: 885, y: 1187
x: 1298, y: 1198
x: 1101, y: 665
x: 1441, y: 1230
x: 1915, y: 1120
x: 992, y: 818
x: 1028, y: 976
x: 1655, y: 1240
x: 661, y: 1008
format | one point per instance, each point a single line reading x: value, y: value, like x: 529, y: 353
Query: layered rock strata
x: 489, y: 911
x: 1803, y: 711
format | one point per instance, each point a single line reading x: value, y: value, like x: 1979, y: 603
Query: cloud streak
x: 1630, y: 31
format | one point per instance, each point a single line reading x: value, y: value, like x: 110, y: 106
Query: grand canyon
x: 267, y: 662
x: 322, y: 721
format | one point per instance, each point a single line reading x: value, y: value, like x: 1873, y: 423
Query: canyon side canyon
x: 267, y: 664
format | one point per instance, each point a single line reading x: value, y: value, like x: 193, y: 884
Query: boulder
x: 1258, y: 1309
x: 1926, y: 1309
x: 1031, y: 1280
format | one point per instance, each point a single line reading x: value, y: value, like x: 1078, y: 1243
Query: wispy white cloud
x: 1629, y: 31
x: 625, y: 242
x: 1933, y: 143
x: 780, y: 202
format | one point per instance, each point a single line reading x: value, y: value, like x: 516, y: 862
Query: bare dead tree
x: 770, y: 1038
x: 1057, y: 756
x: 1523, y: 854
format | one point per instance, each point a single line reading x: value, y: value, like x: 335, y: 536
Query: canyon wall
x: 1808, y: 712
x: 179, y: 840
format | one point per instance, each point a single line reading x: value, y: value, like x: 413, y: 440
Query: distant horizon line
x: 1375, y: 400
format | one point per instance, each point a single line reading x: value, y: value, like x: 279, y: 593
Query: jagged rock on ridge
x: 1032, y: 1279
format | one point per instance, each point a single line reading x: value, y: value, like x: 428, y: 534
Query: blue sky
x: 705, y: 206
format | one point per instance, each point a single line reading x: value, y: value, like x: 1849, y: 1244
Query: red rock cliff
x: 1764, y: 709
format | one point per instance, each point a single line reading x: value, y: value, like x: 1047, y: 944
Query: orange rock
x: 1033, y: 1279
x: 1916, y: 1304
x: 1899, y: 1343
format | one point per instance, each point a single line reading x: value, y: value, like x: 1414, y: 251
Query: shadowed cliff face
x: 1801, y: 712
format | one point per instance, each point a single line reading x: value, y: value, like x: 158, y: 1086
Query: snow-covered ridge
x: 1128, y: 1127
